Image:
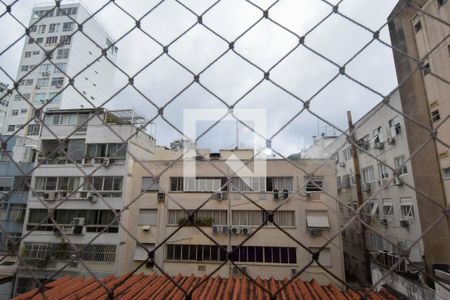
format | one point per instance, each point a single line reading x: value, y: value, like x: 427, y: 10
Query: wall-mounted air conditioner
x: 383, y: 221
x: 238, y: 271
x: 88, y: 161
x: 219, y: 196
x: 161, y: 197
x: 2, y: 205
x: 217, y: 229
x: 397, y: 181
x: 342, y: 164
x: 293, y: 272
x: 246, y: 230
x: 404, y: 223
x: 49, y: 196
x: 391, y: 141
x: 313, y: 232
x: 235, y: 230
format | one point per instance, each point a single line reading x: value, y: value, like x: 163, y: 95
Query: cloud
x: 302, y: 73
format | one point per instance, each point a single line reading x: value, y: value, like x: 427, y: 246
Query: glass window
x: 51, y: 40
x: 68, y: 26
x: 53, y: 27
x: 406, y: 208
x: 399, y: 164
x: 315, y: 184
x: 149, y: 184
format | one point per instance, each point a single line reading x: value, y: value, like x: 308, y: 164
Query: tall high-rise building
x: 421, y: 55
x: 65, y: 63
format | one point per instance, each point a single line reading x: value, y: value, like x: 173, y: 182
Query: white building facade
x: 81, y: 184
x: 53, y: 56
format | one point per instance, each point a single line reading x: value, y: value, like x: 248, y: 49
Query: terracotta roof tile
x: 154, y: 286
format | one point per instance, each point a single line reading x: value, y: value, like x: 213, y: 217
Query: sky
x: 302, y: 73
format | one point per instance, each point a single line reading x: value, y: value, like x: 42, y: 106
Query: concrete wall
x: 425, y: 165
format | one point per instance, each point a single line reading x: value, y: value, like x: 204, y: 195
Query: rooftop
x: 160, y: 287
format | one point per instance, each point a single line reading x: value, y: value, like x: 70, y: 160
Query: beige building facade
x: 230, y: 216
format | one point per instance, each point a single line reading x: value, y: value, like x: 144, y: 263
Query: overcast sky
x: 302, y: 73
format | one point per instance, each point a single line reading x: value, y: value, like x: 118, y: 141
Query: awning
x: 140, y: 254
x: 317, y: 219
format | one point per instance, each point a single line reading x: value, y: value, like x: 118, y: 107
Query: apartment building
x: 422, y: 40
x: 54, y: 52
x: 4, y: 101
x: 81, y: 181
x: 229, y: 214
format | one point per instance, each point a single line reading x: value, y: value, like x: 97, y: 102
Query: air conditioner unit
x: 397, y: 181
x: 88, y: 161
x: 314, y: 232
x: 145, y: 227
x: 225, y: 229
x: 61, y: 195
x: 246, y: 230
x: 49, y: 196
x: 404, y: 223
x: 216, y: 229
x: 380, y: 183
x: 2, y: 205
x: 219, y: 196
x: 38, y: 87
x: 391, y: 141
x: 106, y: 162
x: 342, y: 164
x: 383, y: 221
x: 276, y: 195
x: 161, y: 197
x: 235, y: 230
x: 59, y: 86
x: 92, y: 197
x: 77, y: 230
x: 293, y: 272
x: 78, y: 221
x: 238, y: 271
x: 308, y: 195
x: 379, y: 146
x: 365, y: 187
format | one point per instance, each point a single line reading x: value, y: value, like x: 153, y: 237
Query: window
x: 33, y: 129
x: 66, y: 11
x: 23, y: 111
x: 44, y: 68
x: 57, y: 183
x: 97, y: 150
x: 248, y: 184
x: 446, y: 172
x: 338, y: 182
x: 11, y: 128
x: 426, y: 68
x: 59, y: 67
x: 65, y: 40
x: 40, y: 97
x: 176, y: 184
x: 15, y: 112
x: 68, y: 26
x: 371, y: 208
x: 54, y: 97
x: 42, y: 28
x: 36, y: 52
x: 150, y: 184
x: 6, y: 183
x: 27, y: 53
x: 388, y: 208
x: 279, y: 183
x: 30, y: 41
x: 406, y: 208
x: 382, y: 171
x: 202, y: 184
x: 147, y: 216
x: 435, y: 116
x: 40, y: 40
x: 314, y: 185
x: 26, y: 82
x: 218, y: 217
x: 62, y: 53
x: 256, y: 218
x: 51, y: 40
x: 378, y: 135
x: 42, y: 82
x: 107, y: 183
x: 53, y: 27
x: 324, y: 256
x: 17, y: 212
x: 441, y: 2
x: 418, y: 26
x: 196, y: 252
x: 364, y: 143
x: 368, y: 174
x: 394, y: 126
x: 33, y: 28
x: 399, y: 161
x: 24, y: 68
x: 57, y: 81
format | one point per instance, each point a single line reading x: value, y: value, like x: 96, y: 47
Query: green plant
x: 197, y: 221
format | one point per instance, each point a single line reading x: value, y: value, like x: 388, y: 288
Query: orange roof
x: 160, y: 287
